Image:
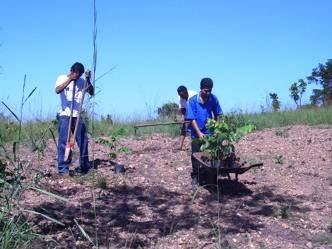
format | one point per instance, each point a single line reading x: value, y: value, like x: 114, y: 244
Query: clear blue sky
x: 248, y: 48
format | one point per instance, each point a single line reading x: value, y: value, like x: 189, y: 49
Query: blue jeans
x: 81, y: 140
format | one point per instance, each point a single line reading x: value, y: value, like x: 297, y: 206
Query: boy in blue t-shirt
x: 201, y: 108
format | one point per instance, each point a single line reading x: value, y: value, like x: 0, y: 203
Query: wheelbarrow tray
x: 237, y: 168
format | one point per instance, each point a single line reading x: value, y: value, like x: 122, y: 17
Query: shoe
x: 79, y: 170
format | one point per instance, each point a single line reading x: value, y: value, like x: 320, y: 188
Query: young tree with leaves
x: 275, y: 101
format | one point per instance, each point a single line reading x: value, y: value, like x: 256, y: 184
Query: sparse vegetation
x: 284, y: 211
x: 329, y: 225
x: 101, y: 182
x: 282, y: 132
x: 279, y: 159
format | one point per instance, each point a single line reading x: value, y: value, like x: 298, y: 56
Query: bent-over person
x: 184, y: 96
x: 201, y: 108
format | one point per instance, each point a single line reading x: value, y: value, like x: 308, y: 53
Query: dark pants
x: 81, y: 140
x: 195, y: 147
x: 184, y: 128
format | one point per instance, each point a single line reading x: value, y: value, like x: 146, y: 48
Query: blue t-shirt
x: 201, y: 112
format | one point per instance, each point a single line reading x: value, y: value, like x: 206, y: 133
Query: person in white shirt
x: 70, y: 88
x: 184, y: 96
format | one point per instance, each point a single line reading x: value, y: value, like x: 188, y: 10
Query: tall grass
x: 34, y: 131
x: 307, y: 116
x: 15, y: 231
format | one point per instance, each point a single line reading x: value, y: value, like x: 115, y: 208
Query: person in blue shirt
x: 201, y: 108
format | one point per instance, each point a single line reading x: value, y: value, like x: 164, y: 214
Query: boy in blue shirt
x: 201, y: 108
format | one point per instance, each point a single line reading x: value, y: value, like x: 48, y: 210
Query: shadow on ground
x: 136, y: 216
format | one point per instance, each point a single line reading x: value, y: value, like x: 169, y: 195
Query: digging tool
x: 68, y: 147
x: 71, y: 139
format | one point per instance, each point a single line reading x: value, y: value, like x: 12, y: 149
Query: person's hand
x: 201, y: 135
x: 73, y: 76
x: 87, y: 75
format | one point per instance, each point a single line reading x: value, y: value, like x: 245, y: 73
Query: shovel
x: 71, y: 139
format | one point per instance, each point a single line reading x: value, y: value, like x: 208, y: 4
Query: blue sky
x: 248, y: 48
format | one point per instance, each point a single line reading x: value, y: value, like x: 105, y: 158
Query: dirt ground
x: 287, y: 203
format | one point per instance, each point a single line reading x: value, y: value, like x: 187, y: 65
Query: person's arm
x: 198, y: 132
x: 60, y: 87
x: 191, y: 116
x: 182, y: 113
x: 89, y: 87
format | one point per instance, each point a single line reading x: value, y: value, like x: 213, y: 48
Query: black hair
x: 77, y: 68
x: 206, y: 83
x: 182, y: 89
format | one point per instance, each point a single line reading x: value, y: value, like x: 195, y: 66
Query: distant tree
x: 297, y: 90
x: 317, y: 97
x: 294, y: 93
x: 168, y: 110
x: 322, y: 75
x: 275, y: 102
x: 108, y: 119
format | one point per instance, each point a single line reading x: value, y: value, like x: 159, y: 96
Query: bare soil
x: 287, y: 203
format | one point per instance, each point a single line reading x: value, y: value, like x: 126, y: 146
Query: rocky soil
x: 287, y: 203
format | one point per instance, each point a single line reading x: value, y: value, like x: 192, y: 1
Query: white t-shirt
x: 66, y: 95
x: 184, y: 103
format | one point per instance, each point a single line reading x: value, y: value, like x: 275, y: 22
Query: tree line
x: 322, y: 96
x: 321, y: 76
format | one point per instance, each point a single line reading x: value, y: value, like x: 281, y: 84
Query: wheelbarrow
x: 213, y: 169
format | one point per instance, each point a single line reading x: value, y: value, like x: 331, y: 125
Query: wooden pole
x: 158, y: 124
